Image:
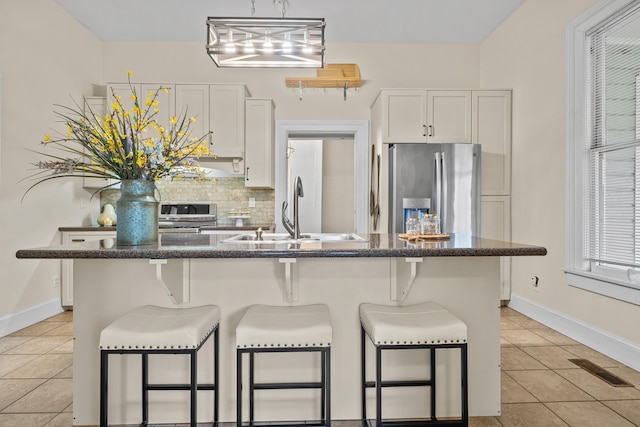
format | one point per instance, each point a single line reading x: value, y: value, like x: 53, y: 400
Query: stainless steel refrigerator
x: 444, y: 176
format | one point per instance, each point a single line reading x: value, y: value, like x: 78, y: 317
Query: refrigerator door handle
x: 437, y: 184
x: 445, y: 193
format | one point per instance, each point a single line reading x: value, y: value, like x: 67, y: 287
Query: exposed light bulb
x: 267, y: 46
x: 306, y: 48
x: 230, y: 47
x: 286, y: 45
x: 248, y: 46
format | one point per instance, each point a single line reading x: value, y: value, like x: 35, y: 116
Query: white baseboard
x: 9, y: 323
x: 617, y: 348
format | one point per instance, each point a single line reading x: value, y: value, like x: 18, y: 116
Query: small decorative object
x: 108, y: 216
x: 118, y: 146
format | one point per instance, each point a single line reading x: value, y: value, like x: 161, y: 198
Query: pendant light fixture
x: 266, y: 42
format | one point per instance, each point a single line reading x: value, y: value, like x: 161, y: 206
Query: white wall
x: 46, y: 57
x: 527, y: 53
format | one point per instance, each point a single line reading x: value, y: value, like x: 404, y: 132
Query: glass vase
x: 137, y: 211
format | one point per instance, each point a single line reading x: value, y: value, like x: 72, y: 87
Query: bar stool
x: 420, y: 326
x: 268, y: 329
x: 158, y: 330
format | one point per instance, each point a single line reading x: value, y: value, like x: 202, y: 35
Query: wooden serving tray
x: 418, y: 237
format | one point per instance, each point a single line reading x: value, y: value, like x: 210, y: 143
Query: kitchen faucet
x: 293, y: 229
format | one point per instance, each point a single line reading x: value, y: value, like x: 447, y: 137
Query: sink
x: 335, y: 237
x: 280, y: 238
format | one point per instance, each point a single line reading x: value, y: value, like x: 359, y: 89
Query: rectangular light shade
x: 266, y: 42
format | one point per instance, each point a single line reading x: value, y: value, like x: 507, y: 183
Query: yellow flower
x: 173, y: 120
x: 192, y: 119
x: 129, y: 73
x: 47, y: 137
x: 165, y: 90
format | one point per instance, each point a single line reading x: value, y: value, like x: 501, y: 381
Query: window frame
x: 577, y: 270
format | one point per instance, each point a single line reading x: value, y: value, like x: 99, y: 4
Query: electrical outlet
x: 535, y: 282
x: 55, y: 281
x: 252, y: 202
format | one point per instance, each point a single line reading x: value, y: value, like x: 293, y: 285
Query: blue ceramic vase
x: 137, y: 211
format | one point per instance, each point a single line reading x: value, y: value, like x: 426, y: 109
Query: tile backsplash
x: 228, y: 193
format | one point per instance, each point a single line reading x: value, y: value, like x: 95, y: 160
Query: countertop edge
x: 139, y: 253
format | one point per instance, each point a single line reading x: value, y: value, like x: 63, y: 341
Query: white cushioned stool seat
x: 425, y: 323
x: 293, y: 326
x: 152, y: 327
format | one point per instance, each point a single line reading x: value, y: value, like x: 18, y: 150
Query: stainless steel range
x: 188, y: 215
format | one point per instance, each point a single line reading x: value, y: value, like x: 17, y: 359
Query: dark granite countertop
x: 194, y: 245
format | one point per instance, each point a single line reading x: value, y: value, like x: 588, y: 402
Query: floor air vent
x: 601, y: 373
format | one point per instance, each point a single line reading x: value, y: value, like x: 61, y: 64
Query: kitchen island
x: 191, y: 269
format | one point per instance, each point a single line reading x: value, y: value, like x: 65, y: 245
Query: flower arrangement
x: 120, y: 146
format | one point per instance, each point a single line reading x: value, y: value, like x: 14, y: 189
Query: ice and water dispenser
x: 414, y: 209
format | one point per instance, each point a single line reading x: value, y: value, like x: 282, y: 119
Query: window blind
x: 613, y: 88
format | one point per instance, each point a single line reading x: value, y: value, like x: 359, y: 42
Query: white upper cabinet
x: 259, y: 143
x: 227, y: 119
x: 449, y: 116
x: 193, y: 100
x: 492, y: 129
x: 218, y: 108
x: 420, y: 115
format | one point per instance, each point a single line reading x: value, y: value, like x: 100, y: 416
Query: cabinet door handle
x: 77, y: 240
x: 247, y: 174
x: 430, y: 130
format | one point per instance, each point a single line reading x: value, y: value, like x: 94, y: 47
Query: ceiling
x: 348, y: 21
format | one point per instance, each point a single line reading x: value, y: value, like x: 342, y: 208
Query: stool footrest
x: 284, y: 386
x: 169, y: 387
x: 416, y: 383
x: 285, y: 424
x: 414, y: 423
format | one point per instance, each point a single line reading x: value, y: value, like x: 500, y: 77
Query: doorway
x: 337, y: 132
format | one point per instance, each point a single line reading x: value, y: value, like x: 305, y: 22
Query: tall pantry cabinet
x: 456, y: 116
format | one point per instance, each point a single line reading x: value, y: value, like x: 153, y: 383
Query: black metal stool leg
x: 145, y: 389
x: 433, y: 383
x: 327, y: 383
x: 238, y: 388
x: 104, y: 376
x: 216, y: 376
x: 465, y: 385
x: 363, y: 379
x: 193, y: 389
x: 251, y: 386
x: 378, y: 387
x: 323, y: 387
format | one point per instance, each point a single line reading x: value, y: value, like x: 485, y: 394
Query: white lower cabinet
x: 66, y: 282
x: 496, y: 225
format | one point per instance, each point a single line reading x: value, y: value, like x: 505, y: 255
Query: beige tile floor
x: 540, y: 387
